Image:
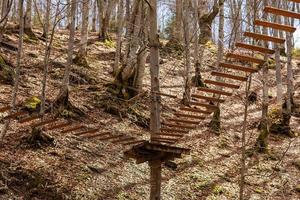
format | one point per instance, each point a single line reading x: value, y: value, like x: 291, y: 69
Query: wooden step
x: 183, y: 121
x: 121, y: 140
x: 285, y: 13
x: 133, y: 142
x: 85, y: 132
x: 173, y: 130
x: 29, y: 119
x: 96, y: 135
x: 15, y: 115
x: 170, y: 134
x: 110, y: 137
x: 212, y: 99
x: 255, y: 48
x: 43, y: 123
x: 238, y: 67
x: 177, y: 126
x: 214, y: 91
x: 164, y: 138
x: 58, y: 126
x: 75, y: 128
x: 189, y: 116
x: 264, y: 37
x: 230, y: 76
x: 158, y: 141
x: 208, y: 106
x: 281, y: 27
x: 4, y: 109
x: 245, y: 58
x: 195, y: 110
x: 223, y: 84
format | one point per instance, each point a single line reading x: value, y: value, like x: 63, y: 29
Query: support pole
x: 155, y: 179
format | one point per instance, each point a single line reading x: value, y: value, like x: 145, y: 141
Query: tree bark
x: 119, y: 36
x: 155, y: 179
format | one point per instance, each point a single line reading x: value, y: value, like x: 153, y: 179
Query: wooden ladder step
x: 281, y: 27
x: 29, y: 119
x: 177, y: 126
x: 245, y: 58
x: 61, y: 125
x: 238, y: 67
x: 183, y: 121
x: 189, y: 116
x: 96, y: 135
x: 212, y: 99
x: 110, y: 137
x: 285, y: 13
x: 134, y: 142
x: 223, y: 84
x: 209, y: 106
x: 264, y: 37
x: 85, y: 132
x: 170, y: 134
x: 75, y: 128
x: 164, y: 138
x: 4, y: 109
x: 214, y: 91
x: 121, y: 140
x: 43, y: 123
x: 195, y: 110
x: 255, y: 48
x: 173, y: 130
x: 230, y: 76
x: 15, y: 115
x: 158, y: 141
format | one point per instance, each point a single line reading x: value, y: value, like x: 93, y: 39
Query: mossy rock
x: 109, y: 43
x: 7, y: 73
x: 33, y: 103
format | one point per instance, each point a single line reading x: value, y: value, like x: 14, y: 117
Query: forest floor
x: 74, y: 168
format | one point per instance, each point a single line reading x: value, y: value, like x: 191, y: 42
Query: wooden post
x: 155, y: 166
x: 155, y: 179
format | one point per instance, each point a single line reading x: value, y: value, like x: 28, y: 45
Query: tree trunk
x: 94, y: 20
x: 119, y: 36
x: 155, y: 179
x: 82, y: 54
x: 28, y: 21
x: 187, y: 82
x: 18, y: 67
x: 103, y: 35
x: 63, y: 96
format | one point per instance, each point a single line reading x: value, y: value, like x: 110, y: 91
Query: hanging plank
x: 58, y: 126
x: 245, y: 58
x: 195, y: 110
x: 213, y: 99
x: 174, y: 130
x: 255, y: 48
x: 189, y: 116
x: 43, y: 123
x: 133, y: 143
x: 75, y: 128
x: 96, y: 135
x: 203, y: 105
x: 275, y: 26
x: 183, y: 121
x: 264, y: 37
x: 170, y: 134
x: 230, y: 76
x: 29, y: 119
x: 110, y: 137
x: 214, y: 91
x: 177, y: 126
x: 85, y: 132
x: 121, y: 140
x: 223, y: 84
x: 285, y: 13
x: 238, y: 67
x: 14, y: 115
x: 4, y: 109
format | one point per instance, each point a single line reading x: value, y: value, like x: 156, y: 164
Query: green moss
x: 32, y: 103
x: 109, y: 43
x: 296, y: 53
x: 67, y: 114
x: 200, y: 180
x: 218, y: 190
x: 258, y: 190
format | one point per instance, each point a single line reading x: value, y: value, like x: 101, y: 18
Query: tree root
x: 39, y: 139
